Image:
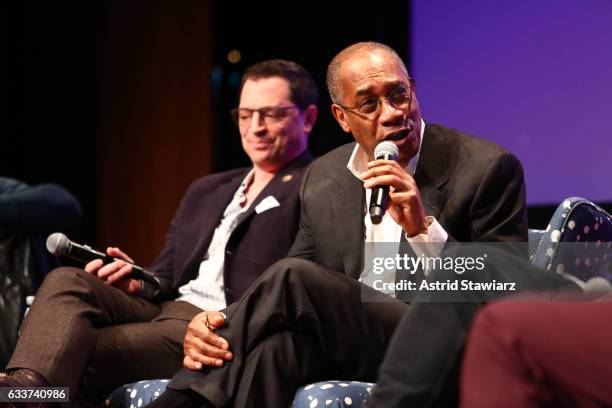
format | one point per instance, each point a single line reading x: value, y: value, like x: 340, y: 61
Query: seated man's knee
x: 286, y: 344
x: 275, y: 342
x: 61, y: 274
x: 292, y: 264
x: 296, y: 271
x: 62, y: 277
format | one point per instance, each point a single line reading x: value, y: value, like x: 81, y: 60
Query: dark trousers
x: 296, y: 296
x: 89, y: 336
x: 421, y: 368
x: 298, y: 323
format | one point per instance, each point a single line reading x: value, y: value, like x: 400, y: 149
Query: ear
x: 340, y: 116
x: 310, y: 117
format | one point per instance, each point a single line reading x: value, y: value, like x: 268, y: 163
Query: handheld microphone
x: 378, y: 201
x: 59, y: 244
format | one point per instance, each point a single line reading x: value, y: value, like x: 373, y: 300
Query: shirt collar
x: 358, y: 162
x: 240, y: 193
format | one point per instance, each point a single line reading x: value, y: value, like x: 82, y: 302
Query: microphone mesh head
x: 57, y: 243
x: 386, y: 148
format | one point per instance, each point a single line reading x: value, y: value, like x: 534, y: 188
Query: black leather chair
x: 27, y: 215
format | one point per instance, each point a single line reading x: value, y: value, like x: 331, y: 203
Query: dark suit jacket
x: 257, y: 242
x: 473, y: 187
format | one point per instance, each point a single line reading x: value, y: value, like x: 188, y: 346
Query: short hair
x: 333, y: 70
x: 302, y: 87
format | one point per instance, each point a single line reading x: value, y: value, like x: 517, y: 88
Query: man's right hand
x: 116, y: 273
x: 202, y: 347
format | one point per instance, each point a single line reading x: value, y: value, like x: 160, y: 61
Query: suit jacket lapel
x: 349, y: 205
x: 216, y: 205
x: 277, y: 186
x: 352, y: 234
x: 430, y: 176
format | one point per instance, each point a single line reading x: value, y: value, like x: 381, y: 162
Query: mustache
x: 398, y: 134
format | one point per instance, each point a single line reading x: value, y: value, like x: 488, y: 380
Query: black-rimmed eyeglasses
x: 400, y: 98
x: 269, y: 114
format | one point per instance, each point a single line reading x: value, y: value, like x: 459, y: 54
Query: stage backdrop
x: 534, y: 76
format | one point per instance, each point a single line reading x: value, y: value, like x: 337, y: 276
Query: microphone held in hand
x: 59, y: 244
x: 378, y: 201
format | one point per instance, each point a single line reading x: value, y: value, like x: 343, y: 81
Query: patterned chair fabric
x: 576, y: 243
x: 332, y: 394
x: 137, y: 394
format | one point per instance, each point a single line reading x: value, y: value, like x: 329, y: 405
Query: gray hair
x: 333, y: 70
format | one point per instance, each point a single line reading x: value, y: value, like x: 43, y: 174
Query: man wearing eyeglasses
x: 304, y: 320
x: 95, y: 329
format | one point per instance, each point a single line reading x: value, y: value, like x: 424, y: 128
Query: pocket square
x: 266, y: 204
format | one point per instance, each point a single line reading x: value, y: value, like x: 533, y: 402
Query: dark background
x: 125, y: 102
x: 310, y: 33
